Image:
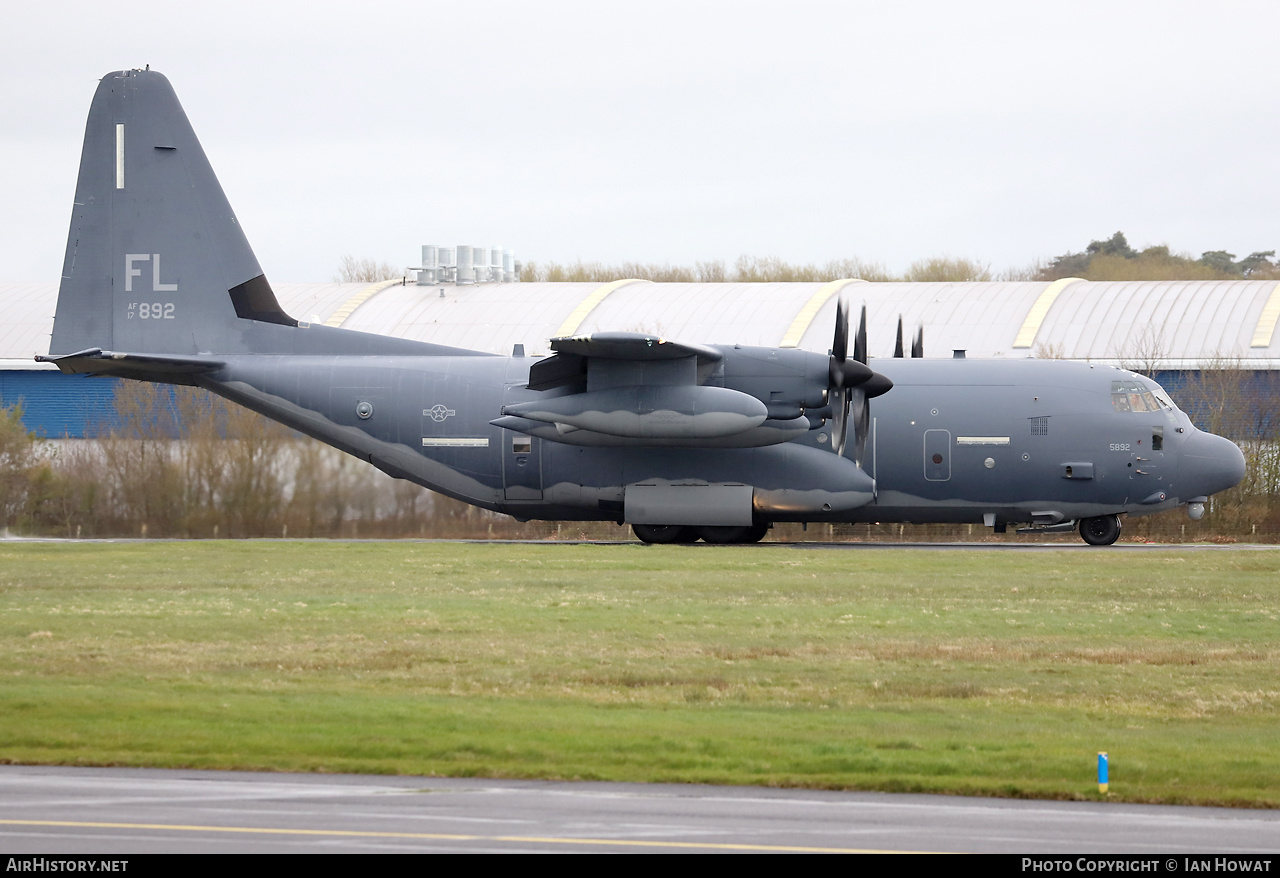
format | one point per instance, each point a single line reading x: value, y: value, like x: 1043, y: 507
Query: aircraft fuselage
x: 983, y: 441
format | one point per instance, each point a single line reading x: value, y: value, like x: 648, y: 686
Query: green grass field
x: 981, y: 672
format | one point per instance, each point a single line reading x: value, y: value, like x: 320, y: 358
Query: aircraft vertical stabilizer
x: 156, y: 261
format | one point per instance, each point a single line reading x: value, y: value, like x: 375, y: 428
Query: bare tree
x: 354, y: 271
x: 1051, y: 350
x: 1145, y: 351
x: 1242, y: 404
x: 948, y: 268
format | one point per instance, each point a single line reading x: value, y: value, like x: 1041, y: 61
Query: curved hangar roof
x: 1170, y: 324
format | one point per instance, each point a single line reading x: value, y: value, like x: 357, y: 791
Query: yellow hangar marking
x: 1265, y: 330
x: 1040, y: 310
x: 587, y: 305
x: 801, y: 324
x: 339, y: 317
x: 437, y: 836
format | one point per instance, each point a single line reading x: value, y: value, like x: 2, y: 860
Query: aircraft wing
x: 631, y: 346
x: 569, y: 364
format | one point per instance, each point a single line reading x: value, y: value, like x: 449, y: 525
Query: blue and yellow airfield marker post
x: 1102, y: 773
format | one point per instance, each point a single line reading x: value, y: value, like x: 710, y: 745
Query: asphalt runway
x: 116, y: 811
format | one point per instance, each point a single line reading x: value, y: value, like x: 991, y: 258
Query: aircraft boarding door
x: 521, y: 463
x: 937, y: 455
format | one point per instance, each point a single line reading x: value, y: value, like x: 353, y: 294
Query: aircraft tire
x: 663, y: 533
x: 757, y: 532
x: 1101, y: 530
x: 723, y: 536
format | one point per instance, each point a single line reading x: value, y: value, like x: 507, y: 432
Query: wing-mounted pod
x: 625, y: 389
x: 641, y: 411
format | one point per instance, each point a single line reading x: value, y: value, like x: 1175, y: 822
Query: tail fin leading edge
x: 156, y: 261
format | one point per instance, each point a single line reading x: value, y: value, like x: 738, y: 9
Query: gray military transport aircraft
x: 681, y: 441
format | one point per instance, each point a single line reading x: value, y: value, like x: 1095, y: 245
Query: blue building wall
x: 60, y: 406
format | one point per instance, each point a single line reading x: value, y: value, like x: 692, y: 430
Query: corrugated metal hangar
x: 1164, y: 325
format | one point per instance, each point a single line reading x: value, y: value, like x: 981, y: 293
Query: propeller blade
x: 840, y: 345
x: 860, y: 414
x: 917, y: 346
x: 840, y: 421
x: 860, y: 342
x: 839, y: 374
x: 897, y: 348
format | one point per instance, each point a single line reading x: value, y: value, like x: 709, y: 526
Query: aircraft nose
x: 1209, y: 464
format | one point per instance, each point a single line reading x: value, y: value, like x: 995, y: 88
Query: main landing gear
x: 1101, y: 530
x: 675, y: 533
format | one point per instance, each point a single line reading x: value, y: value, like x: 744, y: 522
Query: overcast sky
x: 674, y: 132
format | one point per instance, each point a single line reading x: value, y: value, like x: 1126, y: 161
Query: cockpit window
x: 1134, y: 396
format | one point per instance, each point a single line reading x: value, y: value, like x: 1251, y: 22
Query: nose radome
x: 1209, y: 464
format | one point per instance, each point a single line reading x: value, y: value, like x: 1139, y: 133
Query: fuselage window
x: 521, y: 444
x: 1157, y: 438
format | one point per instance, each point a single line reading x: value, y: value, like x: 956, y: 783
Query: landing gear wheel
x: 664, y: 533
x: 757, y: 532
x: 722, y: 536
x: 1101, y: 530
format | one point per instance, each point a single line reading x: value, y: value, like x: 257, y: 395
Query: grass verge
x: 991, y: 673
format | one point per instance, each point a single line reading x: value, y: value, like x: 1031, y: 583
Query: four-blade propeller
x: 852, y: 383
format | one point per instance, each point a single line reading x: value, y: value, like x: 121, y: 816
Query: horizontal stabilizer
x: 165, y: 367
